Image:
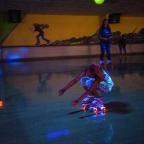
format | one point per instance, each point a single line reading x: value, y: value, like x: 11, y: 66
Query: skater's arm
x: 71, y: 83
x: 91, y: 91
x: 99, y: 73
x: 75, y: 102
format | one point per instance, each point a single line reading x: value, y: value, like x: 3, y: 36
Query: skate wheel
x: 103, y: 109
x: 95, y: 111
x: 84, y: 108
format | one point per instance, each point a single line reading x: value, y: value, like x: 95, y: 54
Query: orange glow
x: 84, y: 108
x: 95, y: 111
x: 104, y: 109
x: 1, y: 104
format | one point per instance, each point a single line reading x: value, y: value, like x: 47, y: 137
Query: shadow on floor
x: 115, y: 107
x: 118, y: 107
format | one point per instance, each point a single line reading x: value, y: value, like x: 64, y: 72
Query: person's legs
x: 120, y: 49
x: 120, y: 52
x: 125, y: 52
x: 108, y: 50
x: 102, y: 47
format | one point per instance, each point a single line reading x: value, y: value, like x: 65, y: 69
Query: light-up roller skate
x: 97, y: 106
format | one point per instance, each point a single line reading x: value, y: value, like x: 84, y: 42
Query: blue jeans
x: 105, y: 46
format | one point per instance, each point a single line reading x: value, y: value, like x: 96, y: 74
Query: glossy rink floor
x: 33, y: 112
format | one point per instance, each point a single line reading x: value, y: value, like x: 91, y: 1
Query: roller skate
x: 97, y: 106
x: 86, y: 102
x: 101, y: 62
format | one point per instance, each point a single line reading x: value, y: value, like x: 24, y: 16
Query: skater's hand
x: 75, y: 102
x: 61, y: 92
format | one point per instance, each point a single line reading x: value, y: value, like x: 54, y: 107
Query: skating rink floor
x: 33, y: 113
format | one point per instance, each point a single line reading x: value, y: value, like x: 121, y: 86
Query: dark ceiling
x: 76, y: 7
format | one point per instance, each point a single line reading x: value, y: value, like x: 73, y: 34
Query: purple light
x: 59, y: 133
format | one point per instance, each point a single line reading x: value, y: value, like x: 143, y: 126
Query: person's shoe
x: 108, y: 61
x: 101, y: 62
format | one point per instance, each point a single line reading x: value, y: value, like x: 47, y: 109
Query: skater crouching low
x: 93, y: 79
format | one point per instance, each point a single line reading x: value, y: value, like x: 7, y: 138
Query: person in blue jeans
x: 105, y: 41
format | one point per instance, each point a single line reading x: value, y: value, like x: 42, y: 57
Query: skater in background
x: 105, y: 41
x: 92, y: 79
x: 122, y: 46
x: 40, y: 29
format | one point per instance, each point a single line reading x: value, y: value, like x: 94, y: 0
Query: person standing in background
x: 105, y: 41
x: 122, y: 46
